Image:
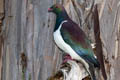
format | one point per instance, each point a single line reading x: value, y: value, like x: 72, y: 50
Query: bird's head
x: 56, y: 8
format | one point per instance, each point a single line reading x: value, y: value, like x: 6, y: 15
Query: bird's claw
x: 66, y: 58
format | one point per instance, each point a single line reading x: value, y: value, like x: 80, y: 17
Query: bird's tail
x: 96, y: 64
x: 91, y: 71
x: 94, y: 61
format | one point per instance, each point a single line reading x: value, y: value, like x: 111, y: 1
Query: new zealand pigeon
x: 72, y: 40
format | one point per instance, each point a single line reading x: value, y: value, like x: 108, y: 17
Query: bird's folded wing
x: 77, y: 40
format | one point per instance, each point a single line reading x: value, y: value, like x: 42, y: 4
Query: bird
x: 70, y: 38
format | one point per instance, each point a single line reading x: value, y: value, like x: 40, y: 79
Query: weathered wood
x: 28, y: 31
x: 71, y: 70
x: 109, y: 27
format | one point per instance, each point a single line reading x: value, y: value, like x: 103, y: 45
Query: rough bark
x: 28, y: 51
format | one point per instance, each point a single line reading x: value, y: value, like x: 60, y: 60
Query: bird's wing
x: 78, y: 41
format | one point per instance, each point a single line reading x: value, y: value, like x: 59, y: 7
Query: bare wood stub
x: 71, y: 70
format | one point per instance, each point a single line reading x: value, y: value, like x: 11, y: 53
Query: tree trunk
x: 27, y: 50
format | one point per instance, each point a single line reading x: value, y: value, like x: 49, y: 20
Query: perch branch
x: 71, y: 70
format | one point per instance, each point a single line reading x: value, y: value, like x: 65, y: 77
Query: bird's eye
x: 56, y: 7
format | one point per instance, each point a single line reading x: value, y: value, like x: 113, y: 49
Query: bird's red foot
x: 66, y: 58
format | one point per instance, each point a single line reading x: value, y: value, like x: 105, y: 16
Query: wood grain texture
x: 28, y: 29
x: 109, y: 23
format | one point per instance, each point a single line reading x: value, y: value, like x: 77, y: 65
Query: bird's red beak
x: 50, y: 10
